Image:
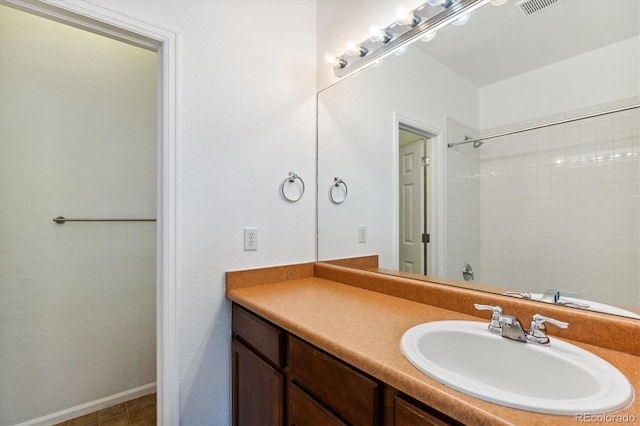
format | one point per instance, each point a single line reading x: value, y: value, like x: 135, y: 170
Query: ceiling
x: 500, y: 42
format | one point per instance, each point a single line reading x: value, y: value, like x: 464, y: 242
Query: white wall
x: 78, y: 139
x: 593, y: 78
x: 356, y: 133
x: 246, y: 117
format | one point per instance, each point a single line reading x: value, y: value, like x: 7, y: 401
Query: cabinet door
x: 257, y: 389
x: 303, y: 410
x: 410, y: 414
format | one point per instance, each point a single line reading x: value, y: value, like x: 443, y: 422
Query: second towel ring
x: 337, y: 182
x: 290, y: 179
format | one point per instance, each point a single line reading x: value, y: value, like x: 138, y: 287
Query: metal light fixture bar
x: 348, y: 64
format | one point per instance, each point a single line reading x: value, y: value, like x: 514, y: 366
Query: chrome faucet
x: 553, y: 296
x: 510, y: 327
x: 550, y: 296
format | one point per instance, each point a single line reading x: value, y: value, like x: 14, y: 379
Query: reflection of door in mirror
x: 412, y: 203
x: 547, y: 198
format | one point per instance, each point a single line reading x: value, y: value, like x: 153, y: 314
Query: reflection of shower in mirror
x: 550, y: 201
x: 476, y: 143
x: 467, y: 272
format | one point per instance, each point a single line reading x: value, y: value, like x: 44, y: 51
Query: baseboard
x: 90, y: 407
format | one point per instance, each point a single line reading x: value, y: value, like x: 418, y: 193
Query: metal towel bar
x: 61, y: 219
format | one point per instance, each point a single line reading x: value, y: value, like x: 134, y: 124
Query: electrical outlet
x: 362, y: 234
x: 250, y: 239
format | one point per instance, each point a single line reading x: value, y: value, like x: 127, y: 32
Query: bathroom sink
x: 558, y: 378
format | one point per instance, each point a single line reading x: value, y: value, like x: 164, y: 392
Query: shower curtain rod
x: 540, y: 126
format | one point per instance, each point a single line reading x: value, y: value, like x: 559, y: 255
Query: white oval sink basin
x: 558, y: 378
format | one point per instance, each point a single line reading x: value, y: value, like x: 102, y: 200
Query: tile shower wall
x: 559, y: 207
x: 463, y: 203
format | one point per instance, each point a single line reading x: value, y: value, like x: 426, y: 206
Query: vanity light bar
x: 348, y: 63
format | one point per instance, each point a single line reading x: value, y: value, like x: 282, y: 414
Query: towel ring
x: 291, y: 179
x: 337, y: 182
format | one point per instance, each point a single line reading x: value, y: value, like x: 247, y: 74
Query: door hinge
x: 425, y: 161
x: 426, y: 238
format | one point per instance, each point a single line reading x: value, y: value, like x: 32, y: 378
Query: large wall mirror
x: 555, y: 207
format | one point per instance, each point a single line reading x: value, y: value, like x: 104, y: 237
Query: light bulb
x: 402, y: 13
x: 335, y: 61
x: 356, y: 49
x: 376, y: 33
x: 406, y: 17
x: 498, y: 2
x: 462, y: 20
x: 330, y: 59
x: 429, y: 36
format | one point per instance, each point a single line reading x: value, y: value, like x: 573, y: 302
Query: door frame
x: 115, y: 25
x: 435, y: 191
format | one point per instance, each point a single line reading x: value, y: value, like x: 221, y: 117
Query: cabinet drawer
x: 413, y: 413
x: 263, y: 336
x: 303, y: 410
x: 351, y: 394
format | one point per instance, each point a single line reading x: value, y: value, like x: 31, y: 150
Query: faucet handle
x: 518, y: 294
x: 494, y: 327
x: 497, y: 310
x: 572, y: 303
x: 539, y: 320
x: 536, y: 332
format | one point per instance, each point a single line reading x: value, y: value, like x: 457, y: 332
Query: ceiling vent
x: 531, y: 7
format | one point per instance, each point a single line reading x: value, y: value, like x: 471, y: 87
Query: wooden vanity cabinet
x: 304, y: 410
x: 351, y: 395
x: 280, y: 379
x: 258, y: 379
x: 258, y: 389
x: 409, y: 412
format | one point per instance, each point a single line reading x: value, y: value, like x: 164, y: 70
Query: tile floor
x: 139, y: 412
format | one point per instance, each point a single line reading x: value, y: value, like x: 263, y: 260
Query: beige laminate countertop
x: 364, y: 328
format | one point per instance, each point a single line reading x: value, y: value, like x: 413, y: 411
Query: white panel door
x: 411, y: 207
